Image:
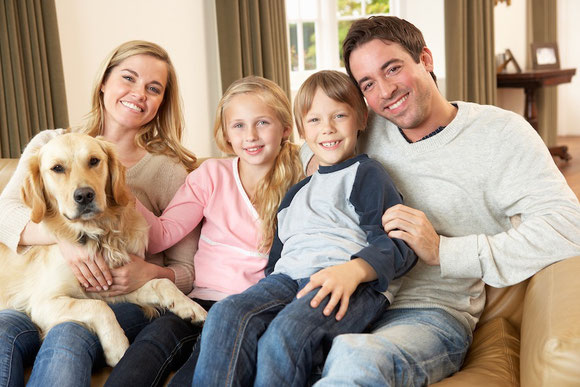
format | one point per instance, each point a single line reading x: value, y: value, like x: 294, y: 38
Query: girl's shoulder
x: 216, y: 165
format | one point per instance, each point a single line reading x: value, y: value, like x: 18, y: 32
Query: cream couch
x: 529, y: 334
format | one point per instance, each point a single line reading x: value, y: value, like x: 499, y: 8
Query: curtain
x: 253, y: 40
x: 542, y: 28
x: 32, y: 92
x: 469, y: 48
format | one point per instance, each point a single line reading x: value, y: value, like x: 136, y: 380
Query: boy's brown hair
x: 386, y: 28
x: 335, y: 85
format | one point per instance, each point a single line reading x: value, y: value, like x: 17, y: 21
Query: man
x: 484, y: 203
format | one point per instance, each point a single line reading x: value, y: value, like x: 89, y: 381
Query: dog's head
x: 76, y: 176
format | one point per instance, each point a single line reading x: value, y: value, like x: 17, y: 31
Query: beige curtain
x: 32, y: 92
x: 253, y: 40
x: 542, y: 28
x: 469, y: 51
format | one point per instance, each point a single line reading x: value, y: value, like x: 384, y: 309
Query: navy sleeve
x: 372, y: 194
x: 277, y: 245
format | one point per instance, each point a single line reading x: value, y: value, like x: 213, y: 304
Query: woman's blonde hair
x: 287, y: 169
x: 162, y: 135
x: 335, y: 85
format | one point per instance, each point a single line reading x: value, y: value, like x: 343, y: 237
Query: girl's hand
x: 340, y: 282
x: 90, y: 271
x: 413, y: 227
x: 130, y: 277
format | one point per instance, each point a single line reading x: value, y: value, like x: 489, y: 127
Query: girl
x: 237, y: 198
x: 135, y: 104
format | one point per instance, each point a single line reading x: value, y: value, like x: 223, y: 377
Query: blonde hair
x: 335, y: 85
x: 162, y: 135
x: 287, y: 169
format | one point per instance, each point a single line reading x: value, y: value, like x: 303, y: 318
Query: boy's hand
x: 340, y: 282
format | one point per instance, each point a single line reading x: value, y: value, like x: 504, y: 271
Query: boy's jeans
x: 285, y: 337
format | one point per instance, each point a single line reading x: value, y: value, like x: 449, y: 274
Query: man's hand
x: 413, y: 227
x: 340, y: 282
x: 90, y: 271
x: 129, y: 277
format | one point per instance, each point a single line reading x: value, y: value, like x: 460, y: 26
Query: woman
x: 135, y: 105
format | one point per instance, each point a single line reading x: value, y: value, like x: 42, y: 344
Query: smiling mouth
x: 398, y: 103
x: 132, y: 106
x: 330, y: 144
x: 254, y: 149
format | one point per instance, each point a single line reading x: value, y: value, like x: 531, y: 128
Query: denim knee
x: 73, y: 338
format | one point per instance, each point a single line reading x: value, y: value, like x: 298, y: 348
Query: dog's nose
x: 84, y: 195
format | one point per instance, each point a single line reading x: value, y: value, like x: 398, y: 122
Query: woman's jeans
x: 67, y: 354
x: 267, y: 326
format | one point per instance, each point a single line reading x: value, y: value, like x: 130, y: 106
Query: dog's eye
x: 57, y: 168
x: 93, y: 162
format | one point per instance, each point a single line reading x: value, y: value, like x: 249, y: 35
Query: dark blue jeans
x: 161, y: 347
x: 266, y: 337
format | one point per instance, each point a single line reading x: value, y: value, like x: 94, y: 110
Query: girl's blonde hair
x: 162, y: 135
x: 335, y: 85
x: 287, y: 169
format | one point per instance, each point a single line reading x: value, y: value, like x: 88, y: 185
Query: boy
x: 330, y: 236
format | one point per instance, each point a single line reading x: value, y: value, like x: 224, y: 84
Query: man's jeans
x: 407, y: 347
x: 285, y: 337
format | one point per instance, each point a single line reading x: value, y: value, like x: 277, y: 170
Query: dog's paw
x: 189, y: 309
x: 114, y: 353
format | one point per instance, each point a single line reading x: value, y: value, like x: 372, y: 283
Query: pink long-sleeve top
x: 227, y: 260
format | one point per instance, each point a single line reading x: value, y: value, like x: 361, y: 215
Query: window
x: 316, y: 29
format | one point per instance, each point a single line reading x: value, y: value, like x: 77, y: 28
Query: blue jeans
x: 407, y: 347
x: 19, y: 342
x: 285, y: 337
x: 69, y: 351
x: 161, y: 347
x: 184, y: 376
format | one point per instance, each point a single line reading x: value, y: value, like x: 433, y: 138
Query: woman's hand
x: 413, y: 227
x: 130, y: 276
x: 339, y: 282
x: 91, y: 271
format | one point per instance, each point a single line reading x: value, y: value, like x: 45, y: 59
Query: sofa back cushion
x: 7, y: 167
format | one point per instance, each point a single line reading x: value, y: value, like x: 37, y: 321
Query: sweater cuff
x: 459, y: 258
x: 183, y: 279
x: 13, y: 225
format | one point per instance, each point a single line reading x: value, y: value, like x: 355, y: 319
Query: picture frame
x: 545, y: 56
x: 504, y: 59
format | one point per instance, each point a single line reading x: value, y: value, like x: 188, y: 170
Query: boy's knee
x: 70, y: 334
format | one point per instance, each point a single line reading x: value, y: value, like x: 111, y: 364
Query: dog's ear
x: 117, y: 190
x: 32, y: 191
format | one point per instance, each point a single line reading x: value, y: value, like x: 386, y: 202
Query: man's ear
x: 426, y: 59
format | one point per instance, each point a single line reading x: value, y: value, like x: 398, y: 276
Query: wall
x: 510, y: 32
x: 89, y: 30
x: 568, y: 43
x: 429, y: 17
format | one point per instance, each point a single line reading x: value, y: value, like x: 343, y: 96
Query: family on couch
x: 483, y: 203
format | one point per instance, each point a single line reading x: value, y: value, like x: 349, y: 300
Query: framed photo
x: 545, y: 56
x: 504, y: 59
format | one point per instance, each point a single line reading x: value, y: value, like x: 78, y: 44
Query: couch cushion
x: 7, y: 167
x: 493, y: 358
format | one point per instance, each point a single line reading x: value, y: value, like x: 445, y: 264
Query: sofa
x: 528, y: 334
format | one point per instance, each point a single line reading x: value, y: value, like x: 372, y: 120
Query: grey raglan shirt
x: 334, y: 216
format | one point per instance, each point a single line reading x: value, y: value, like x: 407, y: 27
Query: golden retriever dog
x: 76, y: 188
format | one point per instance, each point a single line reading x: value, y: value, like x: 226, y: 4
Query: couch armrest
x: 550, y: 335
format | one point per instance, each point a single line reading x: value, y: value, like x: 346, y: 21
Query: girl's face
x: 133, y: 92
x: 254, y: 130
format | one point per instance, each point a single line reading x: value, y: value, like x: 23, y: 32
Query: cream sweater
x: 153, y: 180
x: 490, y: 188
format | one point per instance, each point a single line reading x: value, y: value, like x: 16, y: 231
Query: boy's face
x: 393, y: 84
x: 330, y: 129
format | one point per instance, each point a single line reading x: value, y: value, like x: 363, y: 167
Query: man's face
x: 394, y: 86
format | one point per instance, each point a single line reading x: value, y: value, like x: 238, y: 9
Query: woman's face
x: 133, y: 92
